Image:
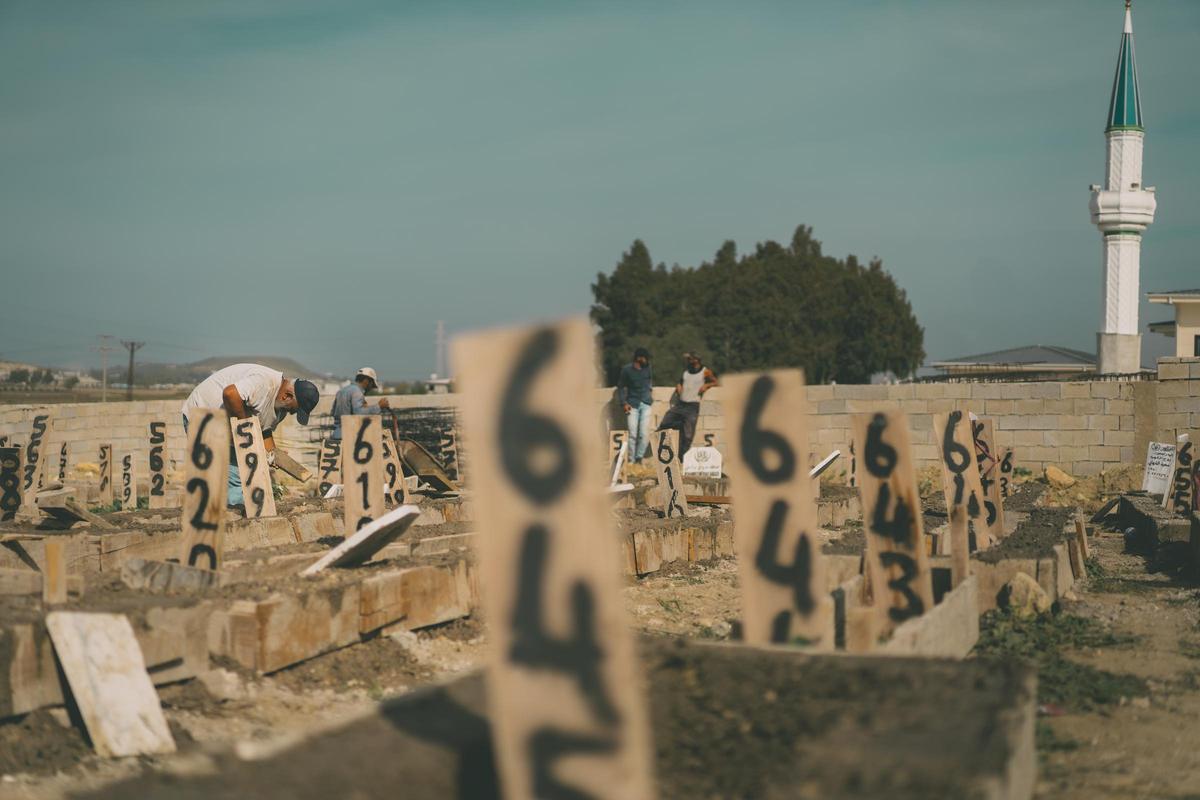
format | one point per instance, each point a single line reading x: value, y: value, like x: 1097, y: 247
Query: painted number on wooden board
x: 10, y: 482
x: 128, y: 487
x: 960, y: 473
x: 33, y: 450
x: 329, y: 465
x: 988, y: 462
x: 449, y: 455
x: 670, y: 473
x: 1006, y: 471
x: 1184, y: 484
x: 106, y: 473
x: 362, y: 470
x: 158, y: 478
x: 892, y: 514
x: 253, y: 470
x: 394, y: 490
x: 567, y: 720
x: 779, y: 557
x: 62, y: 462
x: 206, y: 488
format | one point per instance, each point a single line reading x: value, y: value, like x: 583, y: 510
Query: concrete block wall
x: 1178, y: 399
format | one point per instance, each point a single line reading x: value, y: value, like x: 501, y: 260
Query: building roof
x: 1030, y: 354
x: 1176, y: 296
x: 1166, y: 327
x: 1125, y: 106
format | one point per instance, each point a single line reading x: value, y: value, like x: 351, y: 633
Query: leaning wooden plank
x: 359, y: 548
x: 415, y: 597
x: 60, y: 505
x: 26, y: 581
x: 291, y: 466
x: 168, y: 576
x: 11, y: 479
x: 107, y: 676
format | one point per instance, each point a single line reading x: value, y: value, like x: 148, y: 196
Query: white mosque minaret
x: 1122, y: 209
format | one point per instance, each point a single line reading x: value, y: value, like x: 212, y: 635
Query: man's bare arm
x: 234, y: 405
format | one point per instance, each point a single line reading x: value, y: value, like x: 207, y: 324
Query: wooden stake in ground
x: 11, y: 479
x: 362, y: 470
x: 255, y: 475
x: 960, y: 474
x: 987, y: 460
x: 1006, y: 474
x: 128, y: 483
x: 54, y: 572
x: 62, y: 462
x: 617, y: 444
x: 449, y: 455
x: 897, y: 565
x: 329, y: 465
x: 960, y: 546
x: 569, y: 718
x: 669, y: 465
x: 158, y: 475
x: 34, y: 460
x: 394, y: 489
x: 106, y: 475
x: 107, y: 674
x: 1085, y: 549
x: 206, y: 488
x: 784, y: 597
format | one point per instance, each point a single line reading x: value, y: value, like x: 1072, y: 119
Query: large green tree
x: 780, y: 306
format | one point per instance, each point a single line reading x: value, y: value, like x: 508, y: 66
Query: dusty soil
x: 1034, y: 537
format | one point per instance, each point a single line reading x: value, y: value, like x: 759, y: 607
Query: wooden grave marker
x: 12, y: 477
x: 669, y: 466
x: 362, y: 470
x: 1182, y: 490
x: 128, y: 484
x: 106, y: 475
x: 897, y: 565
x: 255, y: 474
x: 329, y: 466
x: 368, y: 540
x: 987, y: 460
x: 1006, y: 473
x: 54, y: 572
x: 107, y: 675
x: 158, y: 464
x: 782, y: 573
x: 618, y: 446
x: 206, y: 488
x: 62, y: 462
x: 34, y: 461
x: 449, y: 455
x: 567, y: 711
x: 960, y: 473
x: 395, y: 490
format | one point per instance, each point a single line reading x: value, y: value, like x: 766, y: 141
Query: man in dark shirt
x: 634, y: 387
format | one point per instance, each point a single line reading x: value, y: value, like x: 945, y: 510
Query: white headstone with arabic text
x: 1160, y: 467
x: 702, y: 461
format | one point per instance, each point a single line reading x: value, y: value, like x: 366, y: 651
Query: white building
x: 1122, y: 209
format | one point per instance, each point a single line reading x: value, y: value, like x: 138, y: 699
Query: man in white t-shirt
x: 252, y: 389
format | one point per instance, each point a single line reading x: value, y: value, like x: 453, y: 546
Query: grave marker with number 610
x: 362, y: 470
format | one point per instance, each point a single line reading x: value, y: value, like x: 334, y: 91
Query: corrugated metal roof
x: 1030, y: 354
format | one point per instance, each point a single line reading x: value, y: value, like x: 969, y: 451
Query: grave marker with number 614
x: 669, y: 465
x: 206, y: 488
x: 782, y: 573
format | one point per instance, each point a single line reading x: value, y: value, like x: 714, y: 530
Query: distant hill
x: 151, y: 374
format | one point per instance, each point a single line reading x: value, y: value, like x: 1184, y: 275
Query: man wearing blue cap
x: 245, y: 390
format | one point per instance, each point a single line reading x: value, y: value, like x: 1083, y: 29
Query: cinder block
x: 901, y: 391
x: 818, y: 393
x: 1119, y: 438
x: 1073, y: 390
x: 1189, y: 404
x: 1013, y: 422
x: 1168, y: 371
x: 1118, y: 406
x: 831, y: 407
x: 1046, y: 390
x: 1059, y: 406
x: 1100, y: 452
x: 1043, y: 422
x: 996, y: 407
x: 1074, y: 453
x: 1107, y: 390
x: 1029, y: 438
x: 1014, y: 391
x: 1168, y: 390
x: 985, y: 391
x: 1103, y: 422
x: 1087, y: 468
x: 1029, y: 406
x: 1041, y: 453
x: 1127, y: 455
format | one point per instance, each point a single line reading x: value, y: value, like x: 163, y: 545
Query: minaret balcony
x: 1131, y: 210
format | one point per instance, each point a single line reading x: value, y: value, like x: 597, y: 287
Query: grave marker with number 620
x: 206, y: 488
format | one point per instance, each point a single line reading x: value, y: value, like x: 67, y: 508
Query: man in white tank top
x: 696, y: 380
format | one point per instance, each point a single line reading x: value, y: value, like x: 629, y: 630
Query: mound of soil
x: 38, y: 744
x: 1033, y: 538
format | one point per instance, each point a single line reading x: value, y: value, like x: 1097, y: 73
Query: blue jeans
x: 638, y: 422
x: 233, y: 496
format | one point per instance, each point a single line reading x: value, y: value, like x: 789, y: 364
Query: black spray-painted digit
x: 878, y: 456
x: 523, y: 433
x: 364, y: 479
x: 547, y: 745
x: 204, y: 550
x: 908, y: 571
x: 797, y: 575
x: 199, y: 485
x: 202, y: 454
x: 251, y: 467
x: 363, y: 451
x: 665, y: 453
x: 258, y: 497
x: 157, y: 482
x: 32, y: 448
x: 756, y: 442
x: 244, y: 434
x: 900, y: 527
x: 954, y: 454
x: 10, y: 483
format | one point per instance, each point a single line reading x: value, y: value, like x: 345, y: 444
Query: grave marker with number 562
x: 784, y: 596
x: 568, y: 720
x: 206, y: 488
x: 158, y: 476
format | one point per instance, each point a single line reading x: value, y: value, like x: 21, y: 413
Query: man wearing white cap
x: 352, y: 399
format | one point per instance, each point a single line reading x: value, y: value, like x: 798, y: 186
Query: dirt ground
x: 1120, y: 694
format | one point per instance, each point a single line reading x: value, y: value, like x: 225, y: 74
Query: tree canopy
x: 780, y: 306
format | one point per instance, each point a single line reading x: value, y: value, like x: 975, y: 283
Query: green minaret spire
x: 1125, y: 107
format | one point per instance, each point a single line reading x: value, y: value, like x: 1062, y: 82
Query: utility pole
x: 104, y: 348
x: 132, y: 347
x: 440, y: 350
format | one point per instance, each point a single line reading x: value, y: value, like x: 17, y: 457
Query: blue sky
x: 326, y: 180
